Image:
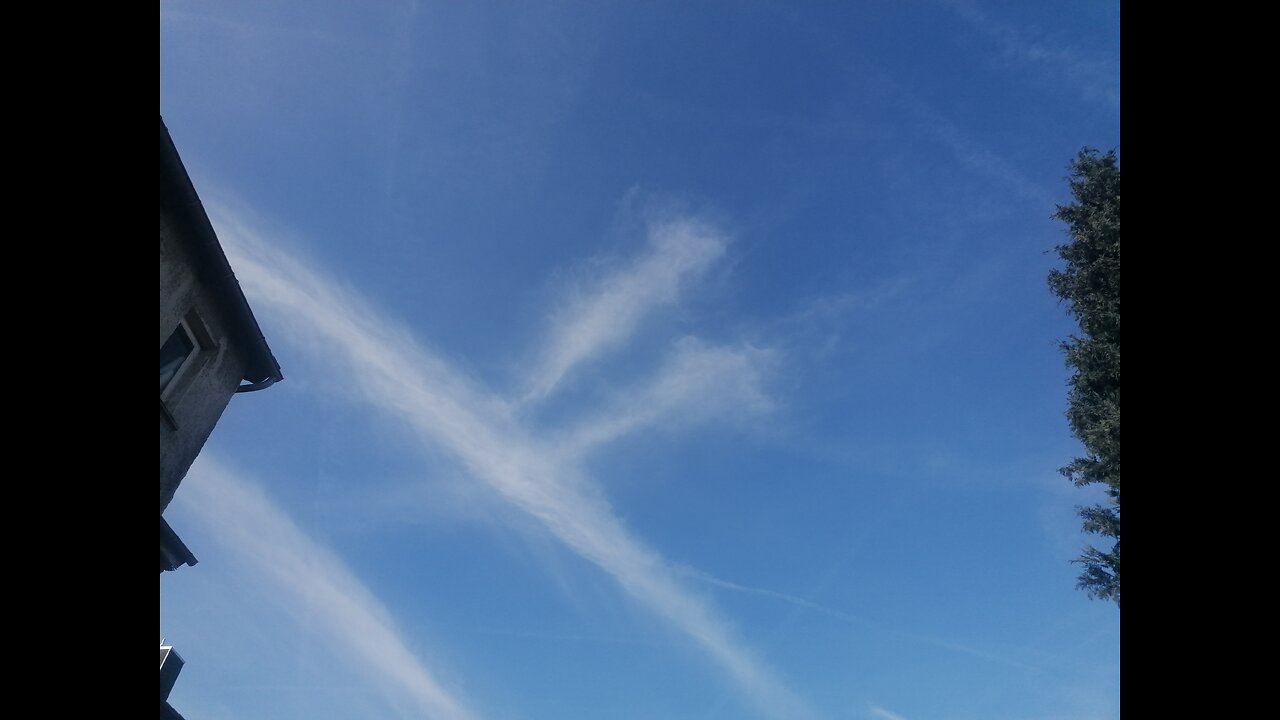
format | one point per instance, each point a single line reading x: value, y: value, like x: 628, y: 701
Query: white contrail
x: 308, y: 578
x: 398, y: 377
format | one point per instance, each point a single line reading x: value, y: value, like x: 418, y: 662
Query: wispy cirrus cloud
x: 533, y: 471
x: 308, y: 578
x: 1097, y: 79
x: 697, y: 381
x: 602, y: 315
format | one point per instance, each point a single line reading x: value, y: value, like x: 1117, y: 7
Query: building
x: 210, y: 344
x: 170, y: 666
x: 211, y: 348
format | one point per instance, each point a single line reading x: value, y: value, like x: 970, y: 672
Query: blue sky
x: 687, y: 360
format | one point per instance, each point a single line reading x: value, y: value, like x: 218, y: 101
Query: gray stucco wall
x: 198, y: 397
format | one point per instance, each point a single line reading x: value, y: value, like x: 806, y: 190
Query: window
x: 174, y: 354
x: 182, y: 356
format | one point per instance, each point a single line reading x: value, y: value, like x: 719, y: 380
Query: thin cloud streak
x: 855, y: 619
x: 400, y: 378
x: 881, y: 714
x: 603, y: 317
x: 308, y: 578
x: 793, y: 599
x: 973, y: 155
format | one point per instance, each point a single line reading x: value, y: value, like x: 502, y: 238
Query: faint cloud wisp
x: 1092, y: 76
x: 881, y: 714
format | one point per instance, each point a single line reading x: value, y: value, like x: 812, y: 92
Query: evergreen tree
x: 1089, y: 283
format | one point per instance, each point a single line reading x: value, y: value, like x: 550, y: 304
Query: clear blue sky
x: 643, y: 360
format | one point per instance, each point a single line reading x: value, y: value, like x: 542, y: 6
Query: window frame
x: 187, y: 361
x: 193, y: 326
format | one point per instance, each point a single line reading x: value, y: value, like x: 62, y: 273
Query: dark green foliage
x: 1090, y: 285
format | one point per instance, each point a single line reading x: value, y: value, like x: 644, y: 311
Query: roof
x: 173, y: 552
x: 178, y: 196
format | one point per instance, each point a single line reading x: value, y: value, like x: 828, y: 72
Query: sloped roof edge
x: 178, y: 196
